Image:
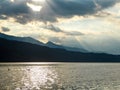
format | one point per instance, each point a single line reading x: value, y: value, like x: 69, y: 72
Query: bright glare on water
x: 64, y: 76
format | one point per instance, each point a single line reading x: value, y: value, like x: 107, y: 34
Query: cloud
x: 5, y: 29
x: 74, y: 33
x: 69, y: 8
x: 53, y: 28
x: 13, y: 8
x: 3, y: 17
x: 58, y: 30
x: 52, y: 9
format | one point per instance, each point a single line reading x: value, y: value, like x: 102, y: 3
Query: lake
x: 60, y: 76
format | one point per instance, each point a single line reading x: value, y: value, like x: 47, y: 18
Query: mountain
x: 52, y: 45
x: 33, y: 41
x: 76, y: 49
x: 17, y: 51
x: 22, y: 39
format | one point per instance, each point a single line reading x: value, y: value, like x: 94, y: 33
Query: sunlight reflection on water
x: 37, y: 77
x: 81, y: 76
x: 24, y: 77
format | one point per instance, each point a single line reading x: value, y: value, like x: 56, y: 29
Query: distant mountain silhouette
x: 34, y: 41
x: 17, y: 51
x: 22, y: 39
x: 52, y: 45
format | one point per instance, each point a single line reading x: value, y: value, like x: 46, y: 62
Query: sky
x: 89, y: 24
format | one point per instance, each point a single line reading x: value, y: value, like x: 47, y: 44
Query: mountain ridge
x: 16, y: 51
x: 34, y: 41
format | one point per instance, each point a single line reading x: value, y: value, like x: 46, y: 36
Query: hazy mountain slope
x: 23, y: 39
x: 33, y: 41
x: 11, y: 50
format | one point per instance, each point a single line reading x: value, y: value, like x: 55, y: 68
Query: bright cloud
x: 34, y: 7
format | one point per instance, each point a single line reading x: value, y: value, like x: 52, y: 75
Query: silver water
x: 60, y: 76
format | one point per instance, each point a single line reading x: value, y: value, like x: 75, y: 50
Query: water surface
x: 60, y: 76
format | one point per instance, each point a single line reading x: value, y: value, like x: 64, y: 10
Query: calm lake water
x: 60, y: 76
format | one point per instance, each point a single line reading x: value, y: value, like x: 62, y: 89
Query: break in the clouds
x: 50, y: 10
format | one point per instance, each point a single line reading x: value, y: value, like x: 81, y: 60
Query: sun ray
x: 38, y: 0
x: 34, y: 7
x: 12, y: 0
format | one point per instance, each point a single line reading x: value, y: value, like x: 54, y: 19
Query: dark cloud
x: 3, y: 17
x: 103, y: 14
x: 53, y: 28
x: 67, y: 8
x: 17, y: 8
x: 5, y: 29
x: 57, y: 29
x: 52, y: 9
x: 74, y: 33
